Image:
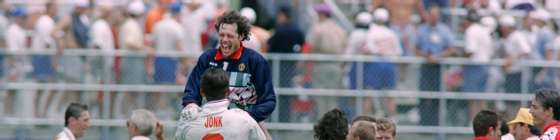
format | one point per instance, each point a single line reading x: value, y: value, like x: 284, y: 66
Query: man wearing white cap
x: 131, y: 39
x: 356, y: 46
x: 259, y: 36
x: 516, y: 48
x: 383, y: 42
x: 543, y: 49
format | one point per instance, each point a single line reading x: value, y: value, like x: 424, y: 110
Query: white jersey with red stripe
x: 216, y: 122
x: 551, y: 132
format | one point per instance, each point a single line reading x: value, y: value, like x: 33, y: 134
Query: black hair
x: 74, y: 110
x: 484, y: 120
x: 504, y: 130
x: 233, y: 17
x: 549, y: 98
x: 285, y: 10
x: 534, y: 130
x: 473, y: 16
x: 214, y: 83
x: 332, y: 126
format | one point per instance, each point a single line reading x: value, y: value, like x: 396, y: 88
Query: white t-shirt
x: 552, y: 5
x: 478, y: 41
x: 516, y: 45
x: 42, y: 36
x: 131, y: 32
x: 102, y: 36
x: 356, y: 42
x: 15, y: 38
x: 167, y: 33
x: 383, y: 41
x: 215, y: 120
x: 556, y: 42
x: 66, y: 134
x: 140, y: 138
x: 194, y: 23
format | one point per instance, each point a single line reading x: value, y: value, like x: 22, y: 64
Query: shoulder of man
x: 60, y: 136
x: 239, y: 113
x: 551, y: 134
x: 253, y: 55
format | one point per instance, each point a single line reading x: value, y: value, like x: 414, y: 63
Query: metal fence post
x: 526, y: 75
x: 442, y: 102
x: 360, y: 87
x: 276, y: 83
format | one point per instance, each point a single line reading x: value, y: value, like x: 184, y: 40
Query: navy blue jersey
x: 249, y: 79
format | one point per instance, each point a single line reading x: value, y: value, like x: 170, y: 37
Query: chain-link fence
x: 416, y: 95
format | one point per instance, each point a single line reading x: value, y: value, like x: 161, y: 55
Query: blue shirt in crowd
x: 433, y: 40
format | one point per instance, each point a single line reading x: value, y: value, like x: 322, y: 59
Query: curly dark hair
x: 332, y: 126
x: 233, y: 17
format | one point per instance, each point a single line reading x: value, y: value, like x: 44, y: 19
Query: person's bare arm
x: 58, y: 31
x: 377, y: 3
x: 448, y: 52
x: 420, y: 10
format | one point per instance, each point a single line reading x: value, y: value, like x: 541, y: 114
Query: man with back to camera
x: 545, y: 109
x: 215, y: 120
x: 250, y: 79
x: 76, y: 121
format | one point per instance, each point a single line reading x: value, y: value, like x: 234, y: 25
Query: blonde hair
x: 384, y: 124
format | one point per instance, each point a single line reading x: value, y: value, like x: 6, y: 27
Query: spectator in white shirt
x: 42, y: 41
x: 17, y: 41
x: 133, y: 68
x: 516, y: 48
x: 479, y: 48
x: 382, y: 42
x: 194, y: 15
x: 102, y: 39
x: 43, y: 66
x: 356, y: 46
x: 142, y: 123
x: 215, y: 120
x: 168, y: 37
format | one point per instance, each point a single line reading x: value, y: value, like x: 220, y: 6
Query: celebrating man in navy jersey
x: 249, y: 74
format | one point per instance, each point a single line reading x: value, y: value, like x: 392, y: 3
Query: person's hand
x: 190, y: 112
x: 432, y: 59
x: 508, y: 62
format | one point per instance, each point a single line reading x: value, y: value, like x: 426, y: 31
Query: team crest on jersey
x: 241, y: 67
